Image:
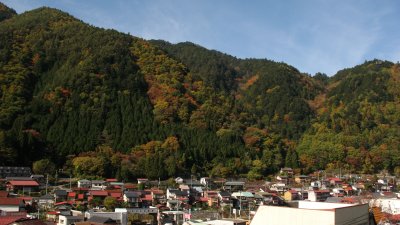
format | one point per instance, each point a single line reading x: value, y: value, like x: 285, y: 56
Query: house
x: 158, y: 196
x: 12, y: 204
x: 117, y: 194
x: 280, y: 188
x: 291, y: 195
x: 116, y: 185
x: 205, y: 181
x: 338, y: 192
x: 286, y: 170
x: 147, y: 200
x: 52, y: 216
x: 224, y: 197
x: 68, y: 220
x: 184, y: 187
x: 318, y: 195
x: 242, y: 199
x: 84, y: 184
x: 8, y: 171
x: 233, y: 186
x: 22, y: 185
x: 312, y: 213
x: 98, y: 185
x: 179, y: 180
x: 212, y: 198
x: 46, y: 201
x: 282, y: 179
x: 175, y: 193
x: 40, y: 179
x: 132, y: 198
x: 63, y: 207
x: 301, y: 179
x: 97, y: 194
x: 130, y: 187
x: 142, y: 180
x: 60, y: 195
x: 335, y: 181
x: 270, y: 198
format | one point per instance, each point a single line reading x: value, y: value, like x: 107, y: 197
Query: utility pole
x: 47, y: 182
x: 240, y: 204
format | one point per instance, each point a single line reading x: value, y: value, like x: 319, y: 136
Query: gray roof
x: 225, y: 194
x: 84, y: 181
x: 18, y: 178
x: 60, y: 192
x: 178, y: 192
x: 238, y: 183
x: 98, y: 182
x: 103, y: 220
x: 46, y: 197
x: 132, y: 194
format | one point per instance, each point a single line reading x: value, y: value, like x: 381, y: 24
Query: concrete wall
x: 316, y: 214
x: 9, y: 208
x: 354, y: 215
x: 272, y: 215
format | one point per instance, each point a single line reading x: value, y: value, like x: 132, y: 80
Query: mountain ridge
x: 81, y: 95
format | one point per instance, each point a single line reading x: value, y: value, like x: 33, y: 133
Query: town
x: 317, y: 198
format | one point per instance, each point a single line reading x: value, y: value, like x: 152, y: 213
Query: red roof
x: 25, y: 198
x: 64, y: 203
x: 3, y: 194
x: 116, y: 194
x: 336, y: 179
x: 80, y: 189
x: 130, y: 186
x: 71, y: 194
x: 157, y: 191
x: 23, y: 183
x: 147, y: 198
x: 10, y: 201
x: 99, y: 193
x: 81, y: 196
x: 111, y: 180
x: 202, y: 199
x: 53, y: 213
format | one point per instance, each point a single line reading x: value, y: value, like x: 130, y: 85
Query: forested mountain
x: 358, y: 122
x: 102, y: 103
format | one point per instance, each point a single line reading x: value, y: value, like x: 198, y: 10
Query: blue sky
x: 312, y: 35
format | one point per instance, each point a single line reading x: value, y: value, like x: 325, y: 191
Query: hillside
x: 103, y: 103
x: 357, y: 127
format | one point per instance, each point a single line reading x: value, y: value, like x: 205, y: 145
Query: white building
x: 313, y: 213
x: 68, y: 220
